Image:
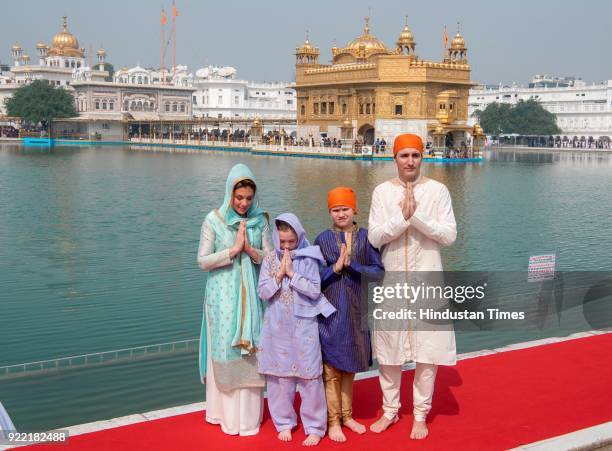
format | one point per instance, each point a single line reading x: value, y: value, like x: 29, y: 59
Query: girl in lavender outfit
x: 289, y: 351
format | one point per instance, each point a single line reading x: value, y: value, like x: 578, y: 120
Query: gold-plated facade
x: 371, y: 87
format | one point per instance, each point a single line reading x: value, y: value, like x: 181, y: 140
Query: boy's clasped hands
x: 343, y: 260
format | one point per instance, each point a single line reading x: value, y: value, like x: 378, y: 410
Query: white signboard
x: 541, y: 267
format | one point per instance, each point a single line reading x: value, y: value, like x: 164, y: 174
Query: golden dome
x: 65, y: 43
x: 101, y: 52
x: 307, y: 47
x: 41, y: 45
x: 477, y: 130
x: 458, y: 42
x: 406, y: 37
x: 368, y: 42
x: 25, y: 57
x: 16, y: 47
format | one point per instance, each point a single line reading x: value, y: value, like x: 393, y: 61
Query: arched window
x: 167, y: 106
x: 126, y: 105
x: 303, y: 110
x: 139, y: 80
x: 174, y: 107
x: 133, y: 106
x: 111, y: 105
x: 66, y: 64
x: 139, y: 105
x: 104, y: 104
x: 97, y: 104
x: 182, y: 107
x: 146, y: 80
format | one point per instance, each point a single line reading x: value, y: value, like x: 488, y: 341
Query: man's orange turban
x: 342, y: 196
x: 407, y: 141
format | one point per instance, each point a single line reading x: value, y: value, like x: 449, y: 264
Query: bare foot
x: 354, y: 426
x: 382, y: 424
x: 311, y: 440
x: 285, y: 436
x: 419, y: 430
x: 335, y: 433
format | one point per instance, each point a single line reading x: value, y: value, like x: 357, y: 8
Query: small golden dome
x: 406, y: 37
x: 16, y: 47
x: 41, y: 45
x: 477, y: 130
x: 101, y: 52
x: 458, y: 42
x: 307, y: 47
x: 25, y: 57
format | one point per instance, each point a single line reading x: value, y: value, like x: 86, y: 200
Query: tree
x: 40, y: 102
x: 524, y: 118
x: 530, y: 118
x: 108, y: 67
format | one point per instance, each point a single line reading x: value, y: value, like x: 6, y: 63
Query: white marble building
x: 60, y: 64
x: 219, y: 94
x: 140, y: 93
x: 584, y: 111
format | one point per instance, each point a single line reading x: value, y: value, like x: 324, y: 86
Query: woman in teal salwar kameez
x: 233, y: 241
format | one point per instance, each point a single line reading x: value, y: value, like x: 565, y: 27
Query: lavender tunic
x: 289, y: 342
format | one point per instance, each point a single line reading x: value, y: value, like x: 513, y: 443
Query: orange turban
x: 342, y: 196
x: 407, y: 141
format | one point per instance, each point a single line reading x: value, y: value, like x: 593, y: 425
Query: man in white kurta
x: 410, y: 217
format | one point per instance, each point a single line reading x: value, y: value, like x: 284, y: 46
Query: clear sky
x: 507, y: 42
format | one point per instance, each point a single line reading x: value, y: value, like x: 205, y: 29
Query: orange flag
x: 445, y: 38
x: 164, y: 20
x: 174, y: 10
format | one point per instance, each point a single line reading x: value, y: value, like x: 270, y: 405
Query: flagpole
x: 174, y: 14
x: 163, y: 23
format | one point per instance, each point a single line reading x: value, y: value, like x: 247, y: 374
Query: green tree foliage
x: 40, y: 102
x: 108, y: 67
x: 524, y: 118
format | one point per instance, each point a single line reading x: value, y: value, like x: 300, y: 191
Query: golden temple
x: 370, y: 91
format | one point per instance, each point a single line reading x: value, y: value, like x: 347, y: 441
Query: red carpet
x: 493, y: 402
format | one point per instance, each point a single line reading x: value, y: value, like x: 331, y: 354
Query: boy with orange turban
x: 344, y: 335
x: 411, y: 216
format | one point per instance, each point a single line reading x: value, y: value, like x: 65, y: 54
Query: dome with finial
x: 16, y: 47
x: 101, y: 52
x: 306, y: 47
x: 367, y: 41
x: 458, y: 43
x: 406, y: 37
x: 41, y: 45
x: 65, y: 43
x: 25, y: 58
